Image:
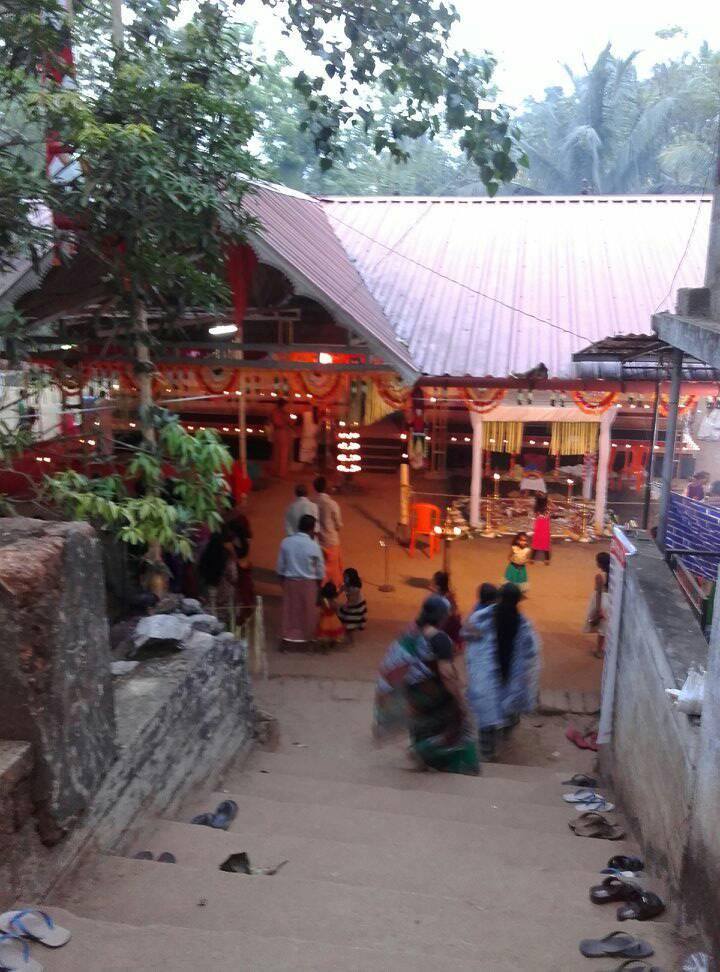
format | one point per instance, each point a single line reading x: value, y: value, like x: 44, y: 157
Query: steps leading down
x: 386, y: 869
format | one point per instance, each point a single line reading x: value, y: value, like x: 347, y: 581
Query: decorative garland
x: 483, y: 400
x: 594, y: 403
x: 686, y: 402
x: 215, y: 381
x: 320, y: 384
x: 392, y: 391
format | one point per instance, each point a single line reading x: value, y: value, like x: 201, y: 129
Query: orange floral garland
x: 483, y: 405
x: 321, y: 385
x: 392, y: 391
x: 594, y: 403
x: 686, y: 402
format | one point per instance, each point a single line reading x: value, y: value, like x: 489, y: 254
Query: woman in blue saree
x: 502, y: 658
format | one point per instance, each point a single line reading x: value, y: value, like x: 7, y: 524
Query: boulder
x: 191, y: 605
x: 167, y: 604
x: 206, y: 622
x: 200, y: 641
x: 162, y: 631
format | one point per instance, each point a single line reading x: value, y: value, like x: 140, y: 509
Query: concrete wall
x: 701, y: 874
x: 654, y: 750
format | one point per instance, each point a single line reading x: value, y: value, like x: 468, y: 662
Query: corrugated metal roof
x: 593, y: 266
x: 295, y: 236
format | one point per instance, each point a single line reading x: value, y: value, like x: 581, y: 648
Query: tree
x: 615, y: 132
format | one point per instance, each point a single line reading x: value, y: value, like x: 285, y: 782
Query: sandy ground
x: 556, y: 602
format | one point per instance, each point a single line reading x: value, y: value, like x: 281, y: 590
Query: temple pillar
x: 603, y: 469
x: 477, y: 468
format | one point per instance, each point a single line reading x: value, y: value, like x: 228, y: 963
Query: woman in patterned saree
x: 419, y: 689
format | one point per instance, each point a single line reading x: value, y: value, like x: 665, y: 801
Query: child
x: 516, y: 570
x: 353, y: 613
x: 440, y: 584
x: 541, y: 530
x: 330, y: 631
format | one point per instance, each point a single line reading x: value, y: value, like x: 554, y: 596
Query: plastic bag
x: 699, y: 962
x: 690, y: 697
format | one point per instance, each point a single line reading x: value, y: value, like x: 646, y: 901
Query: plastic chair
x: 424, y: 517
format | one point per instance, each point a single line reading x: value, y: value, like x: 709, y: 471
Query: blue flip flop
x: 224, y: 815
x: 15, y: 955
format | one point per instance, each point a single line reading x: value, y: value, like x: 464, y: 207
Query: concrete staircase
x: 387, y: 869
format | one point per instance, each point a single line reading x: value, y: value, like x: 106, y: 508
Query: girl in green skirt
x: 516, y: 570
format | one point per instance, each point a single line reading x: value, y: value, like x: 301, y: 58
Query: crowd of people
x: 323, y: 604
x: 457, y: 721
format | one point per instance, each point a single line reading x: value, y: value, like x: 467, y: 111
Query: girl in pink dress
x: 541, y: 530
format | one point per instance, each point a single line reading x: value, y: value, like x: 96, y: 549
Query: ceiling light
x: 218, y: 329
x: 325, y: 358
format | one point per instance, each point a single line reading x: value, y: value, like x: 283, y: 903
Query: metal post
x: 386, y: 587
x: 670, y: 435
x: 651, y: 456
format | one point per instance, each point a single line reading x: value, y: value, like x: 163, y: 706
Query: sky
x: 532, y: 39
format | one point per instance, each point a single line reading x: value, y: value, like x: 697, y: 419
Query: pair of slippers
x: 224, y: 814
x: 592, y: 823
x: 639, y: 904
x: 17, y: 928
x: 165, y: 858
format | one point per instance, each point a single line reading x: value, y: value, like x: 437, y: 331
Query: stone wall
x: 653, y: 754
x: 55, y: 683
x: 664, y: 765
x: 701, y: 874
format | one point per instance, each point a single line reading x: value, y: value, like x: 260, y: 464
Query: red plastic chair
x: 424, y: 517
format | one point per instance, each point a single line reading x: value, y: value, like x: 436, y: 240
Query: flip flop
x: 622, y: 863
x: 583, y: 795
x: 580, y: 779
x: 636, y: 966
x: 167, y: 858
x: 643, y: 906
x: 617, y: 944
x: 143, y: 856
x: 599, y: 806
x: 37, y: 926
x: 614, y: 889
x: 225, y: 813
x: 586, y: 741
x: 593, y: 824
x: 15, y: 955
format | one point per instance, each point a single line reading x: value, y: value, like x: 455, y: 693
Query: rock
x: 225, y: 637
x: 206, y: 622
x: 163, y: 630
x: 121, y: 638
x: 190, y: 605
x: 200, y: 641
x: 167, y: 604
x: 123, y: 667
x: 55, y: 685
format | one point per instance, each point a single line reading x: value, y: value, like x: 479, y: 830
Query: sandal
x: 618, y: 944
x: 580, y: 779
x: 632, y: 966
x: 590, y: 823
x: 614, y: 889
x: 582, y: 741
x: 224, y: 815
x: 15, y: 955
x: 583, y: 795
x: 643, y: 906
x: 37, y: 926
x: 622, y: 863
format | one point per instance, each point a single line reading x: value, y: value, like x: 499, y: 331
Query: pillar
x: 477, y: 468
x: 603, y: 468
x: 670, y: 436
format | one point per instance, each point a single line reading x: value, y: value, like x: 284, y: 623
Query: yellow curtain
x: 376, y: 408
x: 503, y: 436
x: 573, y: 438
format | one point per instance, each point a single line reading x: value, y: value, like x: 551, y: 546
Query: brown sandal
x: 594, y: 824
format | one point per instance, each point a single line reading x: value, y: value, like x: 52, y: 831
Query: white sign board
x: 620, y: 550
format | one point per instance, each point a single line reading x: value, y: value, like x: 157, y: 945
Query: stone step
x: 357, y: 832
x: 388, y: 766
x: 429, y: 811
x: 461, y: 875
x: 539, y: 933
x: 107, y: 946
x: 429, y: 788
